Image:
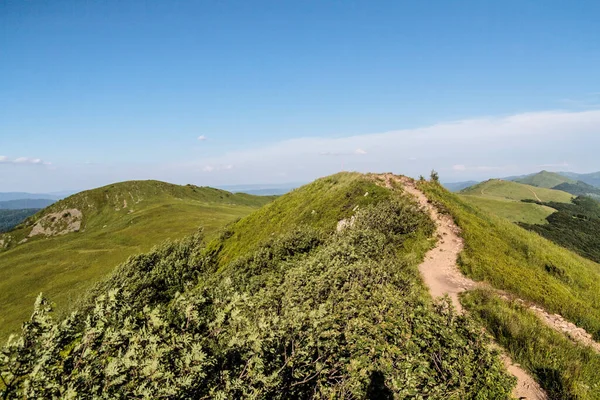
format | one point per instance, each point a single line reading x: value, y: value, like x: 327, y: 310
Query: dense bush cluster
x: 575, y: 226
x: 306, y: 315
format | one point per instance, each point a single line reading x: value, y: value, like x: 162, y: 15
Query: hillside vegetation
x: 580, y: 189
x: 537, y: 270
x: 79, y: 240
x: 290, y: 309
x: 505, y: 199
x: 575, y: 226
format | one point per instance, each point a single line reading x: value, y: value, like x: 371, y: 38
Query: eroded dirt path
x: 442, y: 276
x: 535, y: 194
x: 560, y: 324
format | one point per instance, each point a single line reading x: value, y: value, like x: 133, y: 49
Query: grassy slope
x: 514, y: 211
x: 545, y: 179
x: 566, y: 370
x: 524, y: 263
x: 320, y: 204
x: 503, y: 198
x: 507, y: 190
x: 63, y: 267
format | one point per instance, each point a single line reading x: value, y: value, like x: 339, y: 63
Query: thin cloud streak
x: 23, y: 161
x: 482, y: 146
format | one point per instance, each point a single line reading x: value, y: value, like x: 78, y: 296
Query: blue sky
x: 93, y: 92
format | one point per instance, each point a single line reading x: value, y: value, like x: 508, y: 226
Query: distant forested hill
x: 580, y: 189
x: 591, y: 178
x: 11, y: 218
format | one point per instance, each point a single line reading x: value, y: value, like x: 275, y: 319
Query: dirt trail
x: 535, y: 194
x: 442, y: 276
x: 558, y: 323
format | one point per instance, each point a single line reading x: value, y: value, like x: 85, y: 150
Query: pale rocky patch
x: 345, y: 223
x: 58, y: 223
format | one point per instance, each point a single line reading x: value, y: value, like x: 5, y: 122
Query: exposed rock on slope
x: 58, y: 223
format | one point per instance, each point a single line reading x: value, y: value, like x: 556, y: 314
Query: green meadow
x: 504, y: 199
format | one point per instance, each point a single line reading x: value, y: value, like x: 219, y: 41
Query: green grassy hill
x: 83, y: 237
x: 545, y: 179
x: 507, y: 190
x: 281, y: 305
x: 504, y: 198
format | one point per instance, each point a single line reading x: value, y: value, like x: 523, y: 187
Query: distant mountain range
x: 59, y: 195
x: 458, y: 186
x: 8, y: 196
x: 21, y: 204
x: 262, y: 189
x: 574, y: 183
x: 591, y: 178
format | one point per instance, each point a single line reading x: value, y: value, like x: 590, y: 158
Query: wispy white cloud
x: 555, y: 165
x: 357, y: 152
x: 482, y: 168
x: 211, y: 168
x: 23, y: 161
x: 482, y: 146
x: 586, y: 101
x: 202, y: 138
